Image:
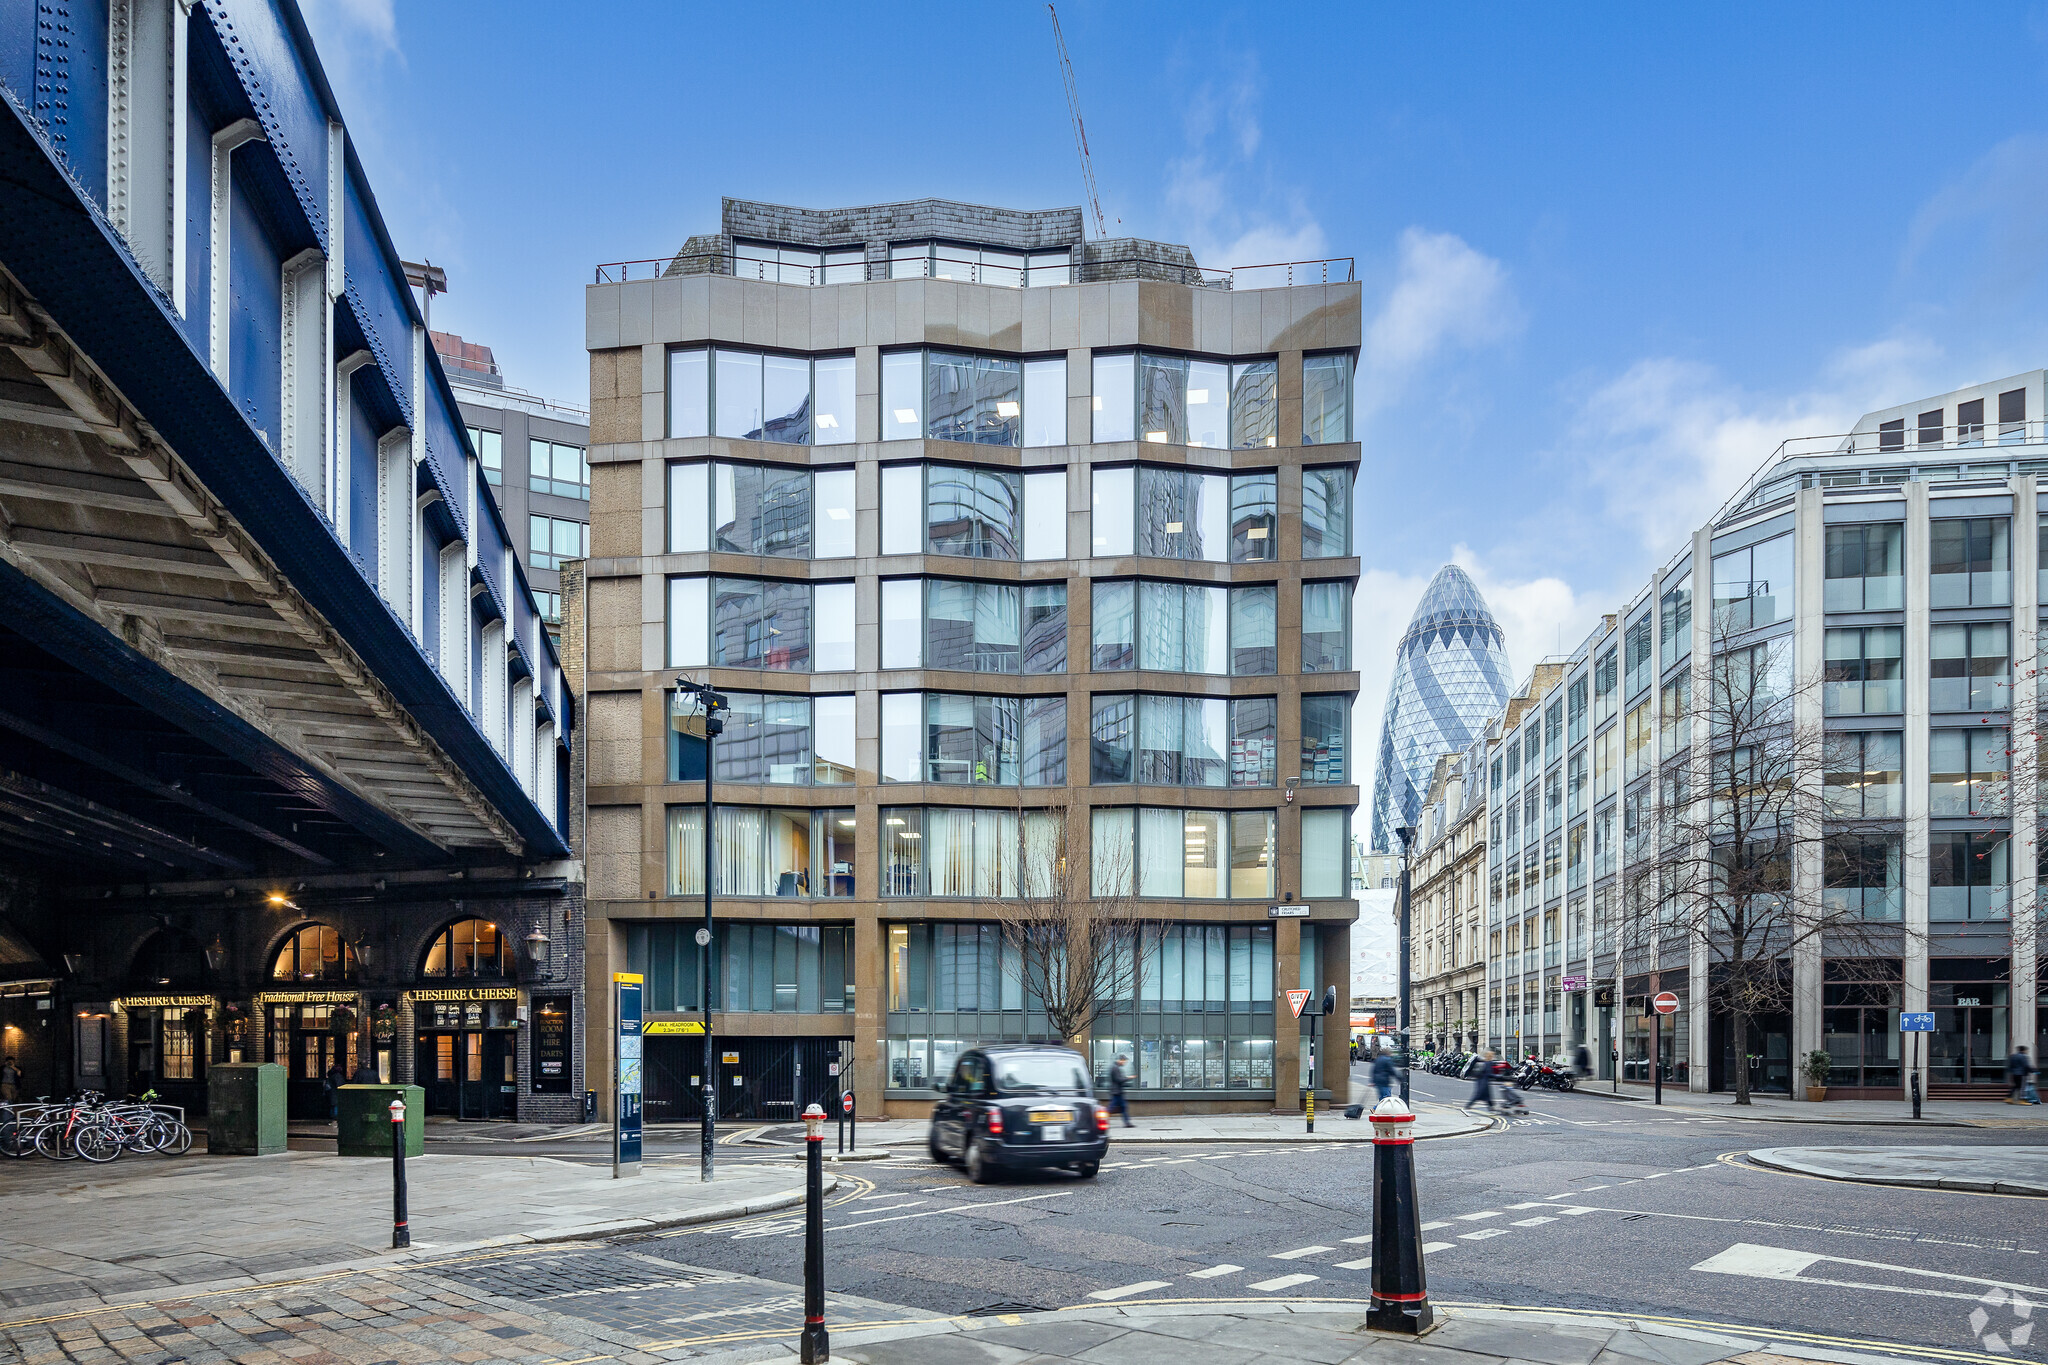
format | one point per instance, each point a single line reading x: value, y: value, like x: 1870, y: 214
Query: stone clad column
x: 2026, y: 768
x: 1808, y: 869
x: 1913, y: 859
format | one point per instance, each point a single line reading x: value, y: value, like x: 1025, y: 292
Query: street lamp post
x: 713, y: 703
x: 1407, y: 837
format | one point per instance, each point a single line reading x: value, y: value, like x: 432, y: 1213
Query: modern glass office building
x: 980, y: 525
x: 1892, y: 582
x: 1450, y: 678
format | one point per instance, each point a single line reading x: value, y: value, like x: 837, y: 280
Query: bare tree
x: 1772, y: 838
x: 1073, y: 925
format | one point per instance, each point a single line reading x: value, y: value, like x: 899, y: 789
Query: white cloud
x: 1445, y: 294
x: 1667, y: 441
x: 339, y: 26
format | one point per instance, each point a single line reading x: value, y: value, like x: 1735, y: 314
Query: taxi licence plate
x: 1052, y: 1116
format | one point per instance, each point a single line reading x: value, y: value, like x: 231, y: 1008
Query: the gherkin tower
x: 1450, y: 678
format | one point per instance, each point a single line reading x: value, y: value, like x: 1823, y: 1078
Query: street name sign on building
x: 1665, y: 1003
x: 1916, y: 1023
x: 1572, y: 983
x: 1287, y: 912
x: 1298, y: 1001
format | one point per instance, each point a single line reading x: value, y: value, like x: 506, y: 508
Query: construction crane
x: 1080, y: 132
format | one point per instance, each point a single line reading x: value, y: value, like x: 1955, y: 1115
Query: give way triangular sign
x: 1298, y: 1001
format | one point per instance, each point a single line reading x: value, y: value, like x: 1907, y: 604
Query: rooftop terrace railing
x: 744, y: 265
x: 1899, y: 454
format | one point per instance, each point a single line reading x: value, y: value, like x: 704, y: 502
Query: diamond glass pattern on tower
x: 1450, y: 678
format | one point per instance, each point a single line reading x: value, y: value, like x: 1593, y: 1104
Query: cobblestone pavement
x: 580, y: 1302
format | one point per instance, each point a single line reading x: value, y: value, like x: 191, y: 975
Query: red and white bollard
x: 815, y: 1346
x: 1400, y: 1294
x: 401, y: 1230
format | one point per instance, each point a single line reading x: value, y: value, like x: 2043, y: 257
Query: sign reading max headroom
x: 626, y: 1097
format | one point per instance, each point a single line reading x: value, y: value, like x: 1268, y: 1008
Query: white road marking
x: 1475, y: 1217
x: 1125, y: 1291
x: 1284, y: 1282
x: 1432, y: 1227
x: 1295, y: 1254
x: 1590, y: 1188
x: 1362, y: 1263
x: 1566, y: 1195
x: 964, y: 1208
x: 1220, y: 1156
x: 1782, y: 1263
x: 1535, y: 1204
x: 1213, y: 1271
x: 1535, y: 1222
x: 1428, y: 1247
x: 1658, y: 1176
x: 1364, y: 1241
x: 1482, y: 1234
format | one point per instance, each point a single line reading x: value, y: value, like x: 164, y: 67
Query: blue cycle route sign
x: 1916, y: 1023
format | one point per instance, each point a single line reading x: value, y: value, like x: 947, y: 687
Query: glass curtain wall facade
x: 1873, y: 587
x: 968, y: 584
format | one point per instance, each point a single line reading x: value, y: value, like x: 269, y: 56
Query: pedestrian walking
x: 1480, y: 1069
x: 1582, y: 1061
x: 1354, y: 1052
x: 2019, y: 1073
x: 10, y: 1081
x: 337, y: 1077
x: 1117, y: 1081
x: 1383, y: 1073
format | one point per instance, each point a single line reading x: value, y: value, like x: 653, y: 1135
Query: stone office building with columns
x: 974, y: 520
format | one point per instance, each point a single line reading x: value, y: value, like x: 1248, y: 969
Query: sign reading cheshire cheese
x: 165, y: 1002
x: 465, y: 994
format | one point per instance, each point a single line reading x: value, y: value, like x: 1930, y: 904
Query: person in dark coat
x: 1480, y: 1069
x: 336, y: 1078
x: 1117, y: 1081
x: 2018, y: 1067
x: 1383, y: 1074
x: 1582, y: 1060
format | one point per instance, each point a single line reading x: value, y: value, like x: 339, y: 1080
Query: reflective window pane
x: 761, y: 510
x: 1203, y: 742
x: 1159, y: 740
x: 1325, y: 513
x: 1325, y: 627
x: 1208, y: 517
x: 902, y: 622
x: 832, y: 741
x: 1208, y: 404
x: 1113, y: 510
x: 1325, y: 399
x: 689, y: 629
x: 1044, y: 642
x: 1162, y: 398
x: 1161, y: 624
x: 1206, y: 629
x: 902, y: 737
x: 1044, y: 741
x: 759, y: 624
x: 832, y: 512
x: 998, y: 401
x: 1114, y: 401
x: 738, y: 391
x: 1113, y: 616
x: 902, y: 509
x: 1045, y: 515
x: 1254, y: 741
x: 902, y: 395
x: 786, y: 399
x: 949, y: 396
x: 972, y: 511
x: 1255, y: 404
x: 1325, y: 725
x: 1163, y: 519
x: 832, y: 637
x: 832, y: 382
x: 1111, y: 738
x: 689, y: 511
x: 1254, y: 630
x: 689, y: 393
x: 1045, y: 402
x: 1254, y: 518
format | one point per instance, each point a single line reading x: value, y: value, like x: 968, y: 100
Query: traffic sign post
x: 1664, y: 1003
x: 1916, y: 1023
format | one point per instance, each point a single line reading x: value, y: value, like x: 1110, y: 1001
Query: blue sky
x: 1611, y: 255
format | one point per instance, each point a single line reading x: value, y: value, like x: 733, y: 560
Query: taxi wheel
x: 931, y: 1143
x: 980, y: 1169
x: 1087, y: 1169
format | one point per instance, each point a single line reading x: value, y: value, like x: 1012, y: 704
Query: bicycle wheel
x: 50, y: 1141
x: 140, y: 1138
x: 177, y: 1140
x: 10, y: 1139
x: 97, y: 1143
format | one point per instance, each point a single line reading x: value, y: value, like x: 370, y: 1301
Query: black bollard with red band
x: 815, y: 1345
x: 1400, y: 1295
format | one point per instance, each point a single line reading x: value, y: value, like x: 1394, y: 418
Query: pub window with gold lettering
x: 470, y: 947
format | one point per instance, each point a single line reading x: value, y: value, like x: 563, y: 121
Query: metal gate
x: 760, y: 1080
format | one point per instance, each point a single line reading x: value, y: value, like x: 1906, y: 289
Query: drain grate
x: 998, y: 1309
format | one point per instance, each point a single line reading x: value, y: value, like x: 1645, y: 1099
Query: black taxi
x: 1017, y: 1105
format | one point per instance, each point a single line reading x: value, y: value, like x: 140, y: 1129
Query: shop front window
x: 316, y: 952
x: 470, y: 947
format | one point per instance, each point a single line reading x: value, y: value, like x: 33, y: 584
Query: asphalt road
x: 1586, y: 1203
